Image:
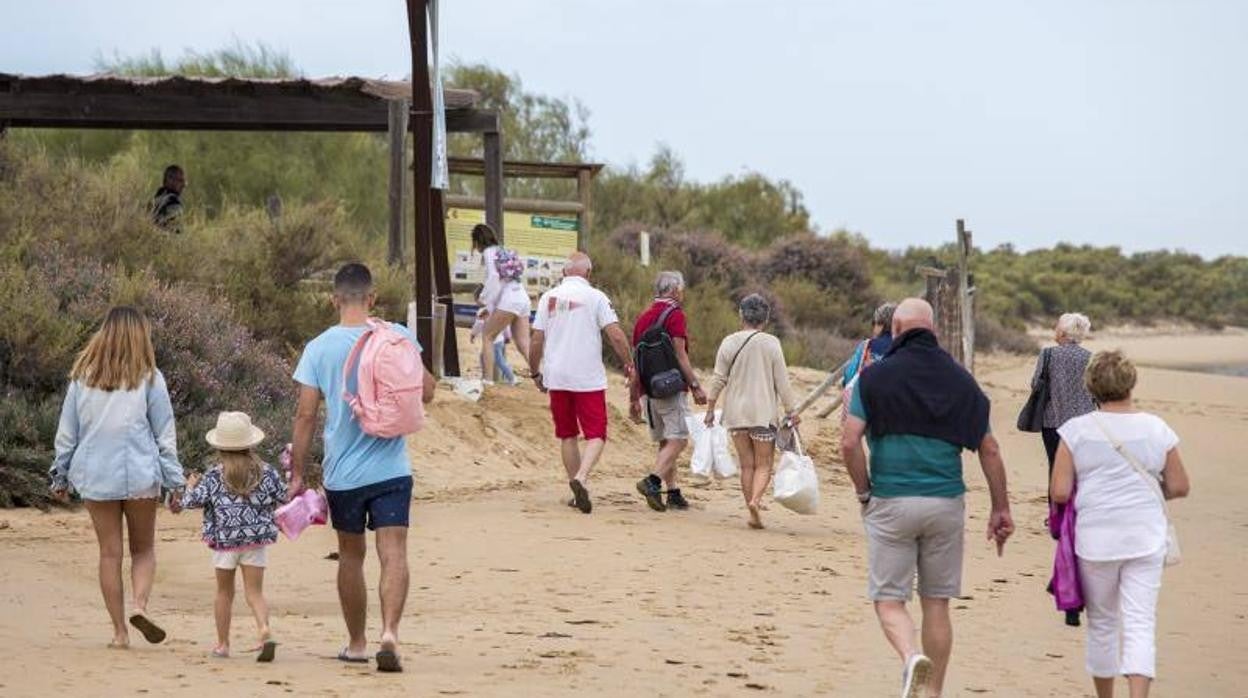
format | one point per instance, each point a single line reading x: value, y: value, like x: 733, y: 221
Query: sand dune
x: 514, y: 594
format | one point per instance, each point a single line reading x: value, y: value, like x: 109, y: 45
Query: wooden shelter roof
x: 229, y: 104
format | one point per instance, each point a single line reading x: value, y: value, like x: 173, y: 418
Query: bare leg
x: 593, y: 451
x: 392, y: 550
x: 253, y: 589
x: 665, y: 461
x: 222, y: 610
x: 106, y: 518
x: 898, y: 626
x: 352, y: 592
x: 570, y: 452
x: 764, y: 456
x: 1104, y: 686
x: 141, y: 528
x: 498, y: 321
x: 1138, y: 685
x: 937, y: 640
x: 745, y: 454
x: 520, y: 334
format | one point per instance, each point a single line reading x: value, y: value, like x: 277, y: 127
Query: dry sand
x: 514, y: 594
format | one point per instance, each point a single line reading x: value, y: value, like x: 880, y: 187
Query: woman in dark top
x: 1068, y: 397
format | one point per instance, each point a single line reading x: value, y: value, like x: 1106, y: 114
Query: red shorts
x: 588, y: 410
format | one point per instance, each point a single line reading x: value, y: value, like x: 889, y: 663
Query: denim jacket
x: 117, y: 444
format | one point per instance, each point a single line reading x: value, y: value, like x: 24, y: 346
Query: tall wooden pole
x: 422, y: 139
x: 493, y: 159
x: 398, y: 160
x: 965, y: 306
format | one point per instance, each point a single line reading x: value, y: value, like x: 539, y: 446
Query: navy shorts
x: 381, y: 504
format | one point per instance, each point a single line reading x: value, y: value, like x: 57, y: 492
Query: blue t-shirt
x: 906, y: 465
x: 352, y: 458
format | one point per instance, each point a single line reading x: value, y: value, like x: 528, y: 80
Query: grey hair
x: 755, y: 310
x: 667, y: 283
x: 1075, y: 326
x: 883, y: 316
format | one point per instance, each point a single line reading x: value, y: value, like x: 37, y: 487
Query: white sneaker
x: 914, y: 677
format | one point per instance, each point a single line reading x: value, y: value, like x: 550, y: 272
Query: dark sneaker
x: 650, y: 487
x: 676, y: 500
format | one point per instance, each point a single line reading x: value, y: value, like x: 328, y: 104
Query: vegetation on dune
x: 234, y: 297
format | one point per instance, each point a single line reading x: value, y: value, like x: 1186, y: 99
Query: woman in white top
x: 116, y: 446
x: 506, y: 300
x: 1120, y: 525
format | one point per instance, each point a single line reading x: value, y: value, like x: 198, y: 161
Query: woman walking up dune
x: 116, y: 446
x: 753, y: 380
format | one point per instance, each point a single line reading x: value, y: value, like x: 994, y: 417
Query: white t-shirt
x: 1117, y: 513
x: 573, y: 315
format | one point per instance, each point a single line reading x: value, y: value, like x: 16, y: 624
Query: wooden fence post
x: 397, y: 125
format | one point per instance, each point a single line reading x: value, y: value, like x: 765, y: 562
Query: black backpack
x: 655, y: 356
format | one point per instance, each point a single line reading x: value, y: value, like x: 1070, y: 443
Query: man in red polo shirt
x: 666, y: 415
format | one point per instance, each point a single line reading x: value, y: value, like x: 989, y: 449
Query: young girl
x: 238, y: 497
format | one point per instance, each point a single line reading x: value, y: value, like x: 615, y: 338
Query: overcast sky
x: 1119, y: 122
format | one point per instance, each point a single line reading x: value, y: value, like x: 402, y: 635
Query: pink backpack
x: 391, y: 382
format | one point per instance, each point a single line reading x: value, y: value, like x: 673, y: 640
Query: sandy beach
x: 514, y: 594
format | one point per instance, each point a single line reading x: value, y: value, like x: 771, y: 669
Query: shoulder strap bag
x: 1173, y: 554
x: 1031, y: 417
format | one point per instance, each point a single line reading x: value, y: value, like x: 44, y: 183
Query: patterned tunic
x: 1068, y: 398
x: 234, y: 522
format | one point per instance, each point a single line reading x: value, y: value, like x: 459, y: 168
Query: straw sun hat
x: 234, y: 432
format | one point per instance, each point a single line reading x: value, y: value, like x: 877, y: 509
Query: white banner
x: 441, y: 177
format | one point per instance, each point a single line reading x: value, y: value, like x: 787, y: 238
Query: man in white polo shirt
x: 567, y: 333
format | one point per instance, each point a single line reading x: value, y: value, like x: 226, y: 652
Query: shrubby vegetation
x: 234, y: 297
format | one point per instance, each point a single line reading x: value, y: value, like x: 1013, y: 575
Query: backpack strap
x: 663, y: 316
x: 373, y: 325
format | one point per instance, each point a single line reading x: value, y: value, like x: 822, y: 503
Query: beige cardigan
x: 759, y: 385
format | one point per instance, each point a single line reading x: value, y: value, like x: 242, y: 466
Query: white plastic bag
x: 700, y: 463
x: 796, y: 485
x: 725, y: 462
x: 712, y: 452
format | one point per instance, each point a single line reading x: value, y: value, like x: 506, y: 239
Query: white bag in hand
x: 702, y: 460
x: 725, y: 462
x: 796, y: 485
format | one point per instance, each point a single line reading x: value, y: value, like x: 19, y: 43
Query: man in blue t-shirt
x: 919, y: 410
x: 368, y: 480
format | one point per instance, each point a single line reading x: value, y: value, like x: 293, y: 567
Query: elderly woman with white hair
x: 752, y: 380
x: 1063, y: 366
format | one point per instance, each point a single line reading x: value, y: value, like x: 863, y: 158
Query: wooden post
x: 585, y: 219
x: 422, y: 138
x: 494, y: 181
x: 397, y: 125
x: 822, y: 388
x: 446, y: 339
x: 965, y: 308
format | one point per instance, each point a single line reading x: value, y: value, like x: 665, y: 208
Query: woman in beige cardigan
x: 752, y: 378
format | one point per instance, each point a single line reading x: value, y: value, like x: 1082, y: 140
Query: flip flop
x: 344, y: 657
x: 388, y: 661
x: 267, y: 651
x: 582, y: 496
x: 151, y: 632
x: 218, y: 654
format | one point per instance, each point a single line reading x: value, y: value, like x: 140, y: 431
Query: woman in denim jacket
x: 116, y: 446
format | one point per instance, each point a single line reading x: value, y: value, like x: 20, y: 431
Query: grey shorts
x: 666, y: 417
x: 906, y: 535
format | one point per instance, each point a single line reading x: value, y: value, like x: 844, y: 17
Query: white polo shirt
x: 572, y: 315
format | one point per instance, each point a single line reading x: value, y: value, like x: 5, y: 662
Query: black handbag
x: 1031, y: 418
